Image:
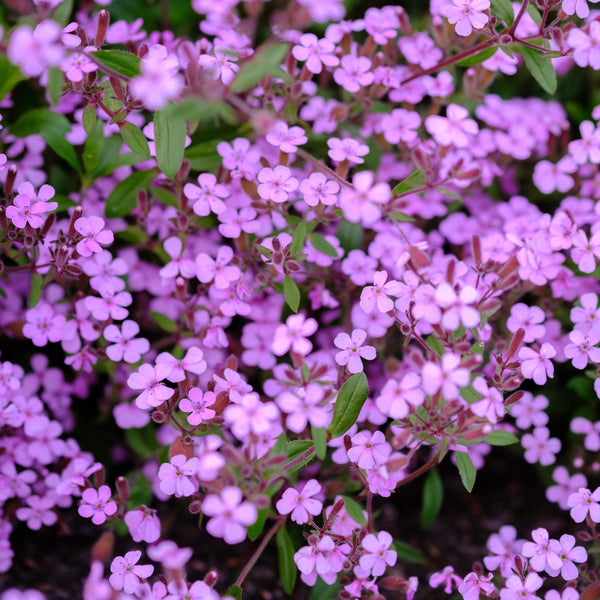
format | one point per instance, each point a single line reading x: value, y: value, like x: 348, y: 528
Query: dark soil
x: 56, y: 560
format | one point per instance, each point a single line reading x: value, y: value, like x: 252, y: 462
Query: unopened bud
x: 476, y: 248
x: 117, y: 88
x: 195, y: 507
x: 143, y: 50
x: 9, y: 183
x: 50, y: 220
x: 76, y: 215
x: 516, y: 342
x: 103, y: 20
x: 103, y: 548
x: 122, y: 487
x: 211, y: 578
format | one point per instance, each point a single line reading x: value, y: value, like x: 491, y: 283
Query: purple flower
x: 126, y: 573
x: 467, y: 15
x: 540, y: 447
x: 97, y: 504
x: 93, y: 233
x: 352, y: 350
x: 584, y: 502
x: 29, y: 207
x: 230, y: 516
x: 376, y: 555
x: 301, y: 504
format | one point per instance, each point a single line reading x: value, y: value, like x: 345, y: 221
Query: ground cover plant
x: 279, y: 276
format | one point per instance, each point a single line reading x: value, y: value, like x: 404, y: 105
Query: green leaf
x: 534, y: 13
x: 265, y: 61
x: 140, y: 492
x: 93, y: 147
x: 135, y: 139
x: 10, y: 76
x: 319, y: 437
x: 350, y: 235
x: 407, y: 553
x: 124, y: 197
x: 89, y: 117
x: 235, y: 591
x: 504, y: 10
x: 355, y: 510
x: 298, y: 238
x: 501, y: 437
x: 169, y: 137
x: 287, y: 565
x: 466, y: 469
x: 322, y: 245
x: 401, y: 217
x: 117, y: 62
x: 164, y: 322
x: 478, y: 58
x: 291, y: 293
x: 142, y: 441
x: 295, y: 449
x: 324, y: 591
x: 133, y: 234
x: 52, y: 127
x: 414, y: 180
x: 62, y: 14
x: 470, y: 394
x: 56, y: 79
x: 540, y: 68
x: 35, y: 290
x: 164, y: 197
x: 204, y: 157
x: 350, y: 399
x: 433, y: 496
x: 256, y: 528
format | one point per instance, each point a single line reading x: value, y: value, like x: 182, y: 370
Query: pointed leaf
x: 265, y: 61
x: 466, y: 469
x: 478, y: 58
x: 287, y: 565
x: 298, y: 238
x: 89, y: 117
x: 117, y: 62
x: 319, y: 437
x: 256, y: 528
x: 169, y: 137
x: 501, y: 437
x: 10, y: 76
x: 235, y: 591
x: 135, y: 139
x: 291, y: 293
x: 541, y: 68
x: 56, y: 79
x: 124, y: 197
x: 164, y: 322
x: 354, y: 510
x: 350, y: 235
x: 433, y: 496
x: 414, y: 180
x: 35, y: 290
x: 322, y: 245
x: 504, y: 10
x: 407, y: 553
x: 350, y: 400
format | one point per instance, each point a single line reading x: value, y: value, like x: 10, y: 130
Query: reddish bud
x: 103, y: 20
x: 103, y: 548
x: 516, y: 342
x: 122, y: 487
x: 9, y: 183
x: 179, y: 446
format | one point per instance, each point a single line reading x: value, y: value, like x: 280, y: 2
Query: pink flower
x: 379, y: 293
x: 317, y: 189
x: 475, y: 584
x: 304, y: 406
x: 208, y: 195
x: 540, y: 447
x: 376, y: 555
x: 126, y: 346
x: 527, y: 318
x: 126, y: 573
x: 352, y: 350
x: 582, y: 348
x: 221, y: 65
x: 97, y: 504
x: 143, y: 523
x: 94, y: 234
x: 529, y: 410
x: 542, y: 552
x: 38, y: 512
x: 218, y: 269
x: 467, y: 15
x: 30, y: 207
x: 293, y: 335
x: 447, y: 377
x: 43, y: 325
x: 315, y: 53
x: 148, y: 378
x: 584, y: 502
x: 287, y: 139
x: 34, y: 50
x: 579, y: 7
x: 517, y: 589
x: 569, y: 554
x: 301, y: 504
x: 448, y: 577
x: 361, y: 203
x: 178, y: 477
x: 537, y: 366
x: 369, y: 449
x: 159, y: 80
x: 197, y: 404
x: 396, y: 396
x: 275, y: 184
x: 565, y: 486
x: 230, y: 516
x: 347, y: 149
x: 587, y: 50
x: 457, y: 307
x: 249, y: 414
x: 78, y: 64
x: 354, y: 73
x: 455, y: 129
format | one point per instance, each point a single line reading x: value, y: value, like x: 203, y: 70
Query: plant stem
x: 259, y: 550
x: 422, y: 469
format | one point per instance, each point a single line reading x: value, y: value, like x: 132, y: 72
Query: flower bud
x: 103, y: 20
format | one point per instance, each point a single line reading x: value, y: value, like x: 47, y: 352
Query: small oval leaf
x: 169, y: 137
x: 291, y: 293
x: 287, y: 565
x: 350, y: 400
x: 117, y: 62
x: 135, y: 139
x: 466, y: 469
